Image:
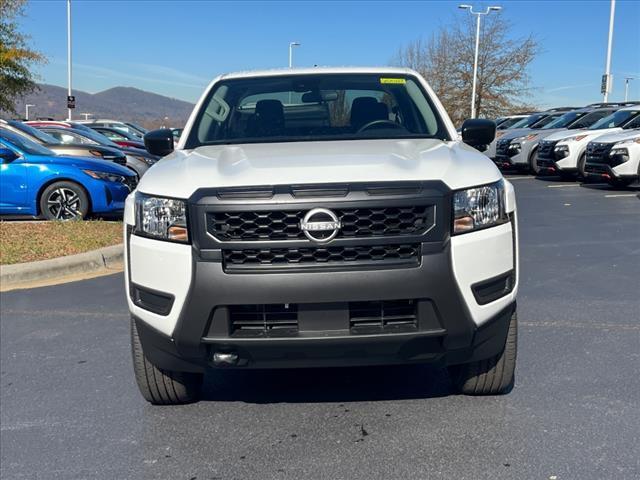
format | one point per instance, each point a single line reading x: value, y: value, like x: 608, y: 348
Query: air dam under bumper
x: 443, y: 332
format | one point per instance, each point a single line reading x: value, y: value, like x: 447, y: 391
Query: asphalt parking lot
x: 70, y: 408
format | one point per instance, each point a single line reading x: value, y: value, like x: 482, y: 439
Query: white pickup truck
x: 321, y: 217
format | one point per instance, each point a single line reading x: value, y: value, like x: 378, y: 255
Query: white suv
x: 321, y: 217
x: 565, y: 152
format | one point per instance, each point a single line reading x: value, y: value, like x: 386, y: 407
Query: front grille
x: 357, y: 254
x: 502, y: 148
x: 285, y: 224
x: 598, y: 152
x: 270, y: 320
x: 383, y: 316
x: 596, y: 168
x: 545, y: 150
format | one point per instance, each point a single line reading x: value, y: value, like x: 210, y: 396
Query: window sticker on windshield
x: 398, y: 81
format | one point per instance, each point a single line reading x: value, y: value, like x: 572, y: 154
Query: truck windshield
x: 315, y: 107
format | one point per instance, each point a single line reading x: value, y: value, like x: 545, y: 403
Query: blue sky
x: 176, y: 47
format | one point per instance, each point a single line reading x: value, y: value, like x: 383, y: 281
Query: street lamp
x: 606, y: 80
x: 475, y: 60
x: 69, y: 53
x: 291, y: 45
x: 26, y: 110
x: 626, y: 87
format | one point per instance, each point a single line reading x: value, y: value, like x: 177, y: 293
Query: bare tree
x: 446, y: 61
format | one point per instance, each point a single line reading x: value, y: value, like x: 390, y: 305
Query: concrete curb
x: 108, y: 257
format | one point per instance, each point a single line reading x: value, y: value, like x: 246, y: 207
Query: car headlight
x: 148, y: 161
x: 161, y: 218
x: 622, y: 154
x: 561, y: 151
x: 109, y: 177
x: 479, y: 207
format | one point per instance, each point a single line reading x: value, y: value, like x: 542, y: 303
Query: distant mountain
x: 121, y: 103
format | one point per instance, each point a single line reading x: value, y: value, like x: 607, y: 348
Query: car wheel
x: 64, y: 201
x: 493, y: 376
x: 159, y: 386
x: 582, y: 162
x: 533, y: 163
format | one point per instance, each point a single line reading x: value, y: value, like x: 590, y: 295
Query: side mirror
x: 7, y: 155
x: 477, y: 132
x: 159, y: 142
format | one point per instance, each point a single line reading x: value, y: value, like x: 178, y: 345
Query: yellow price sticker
x: 394, y: 81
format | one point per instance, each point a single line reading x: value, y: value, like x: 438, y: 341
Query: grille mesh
x: 270, y: 257
x: 285, y: 224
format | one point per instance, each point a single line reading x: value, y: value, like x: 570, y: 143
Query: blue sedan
x: 35, y: 181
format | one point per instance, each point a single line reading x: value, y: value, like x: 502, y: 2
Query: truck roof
x: 318, y: 71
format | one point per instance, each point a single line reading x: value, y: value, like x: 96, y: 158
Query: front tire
x: 64, y: 201
x: 533, y: 163
x: 493, y: 376
x: 582, y: 165
x: 159, y: 386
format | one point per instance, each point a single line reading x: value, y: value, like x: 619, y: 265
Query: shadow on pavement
x: 349, y: 384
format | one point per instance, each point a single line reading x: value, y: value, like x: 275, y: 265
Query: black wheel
x: 493, y: 376
x: 158, y: 386
x: 533, y: 163
x: 64, y: 201
x: 582, y: 163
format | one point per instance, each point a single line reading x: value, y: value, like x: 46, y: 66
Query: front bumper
x: 607, y: 172
x: 462, y: 313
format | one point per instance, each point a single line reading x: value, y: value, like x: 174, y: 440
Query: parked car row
x: 596, y: 141
x: 68, y: 170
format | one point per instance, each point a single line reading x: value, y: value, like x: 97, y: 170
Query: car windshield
x: 529, y: 121
x: 96, y: 137
x: 35, y: 133
x: 291, y: 108
x: 618, y: 119
x: 137, y: 127
x: 564, y: 121
x: 635, y: 123
x: 22, y: 143
x: 589, y: 119
x: 509, y: 122
x: 546, y: 120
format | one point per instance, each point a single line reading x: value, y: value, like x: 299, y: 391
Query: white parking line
x: 564, y: 186
x: 622, y: 195
x: 520, y: 178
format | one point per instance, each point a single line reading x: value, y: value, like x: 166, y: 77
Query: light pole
x: 69, y: 53
x: 26, y: 110
x: 475, y: 60
x: 291, y: 45
x: 607, y: 83
x: 626, y: 87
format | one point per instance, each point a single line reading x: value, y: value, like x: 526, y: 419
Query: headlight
x: 622, y: 154
x: 479, y: 207
x: 148, y: 161
x: 109, y: 177
x: 161, y: 218
x: 561, y: 151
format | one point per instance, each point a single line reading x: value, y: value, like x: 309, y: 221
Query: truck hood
x: 184, y: 171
